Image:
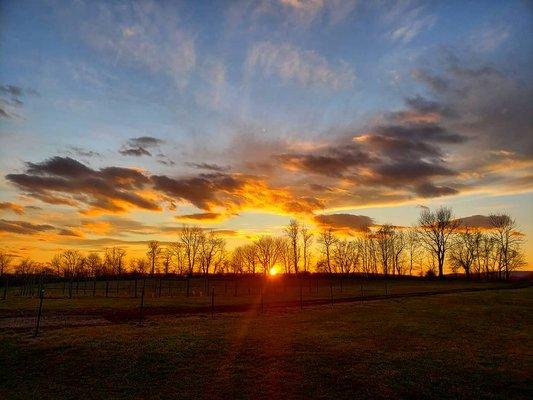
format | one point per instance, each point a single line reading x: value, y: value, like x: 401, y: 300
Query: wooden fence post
x: 41, y: 298
x: 4, y: 297
x: 262, y: 302
x: 212, y: 302
x: 142, y: 304
x: 301, y: 298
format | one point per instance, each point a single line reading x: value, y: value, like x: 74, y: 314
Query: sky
x: 121, y: 121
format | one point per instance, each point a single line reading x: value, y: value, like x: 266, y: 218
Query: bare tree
x: 139, y: 265
x: 153, y: 253
x: 5, y: 262
x: 327, y: 239
x: 385, y: 241
x: 209, y: 248
x: 190, y: 238
x: 286, y: 255
x: 178, y: 250
x: 307, y: 241
x: 508, y: 242
x: 436, y: 229
x: 268, y: 251
x: 114, y: 260
x: 94, y: 264
x: 167, y: 255
x: 345, y: 256
x: 463, y: 250
x: 292, y: 231
x: 412, y: 245
x: 398, y: 247
x: 71, y: 261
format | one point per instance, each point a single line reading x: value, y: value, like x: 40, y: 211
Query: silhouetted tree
x: 5, y: 262
x: 190, y: 238
x: 268, y: 251
x: 292, y: 231
x: 153, y: 253
x: 307, y: 241
x: 508, y: 241
x: 436, y: 229
x: 327, y: 239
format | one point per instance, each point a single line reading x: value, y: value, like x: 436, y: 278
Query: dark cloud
x: 139, y: 146
x: 420, y: 133
x: 207, y: 216
x: 428, y: 190
x: 345, y: 222
x: 476, y: 221
x: 199, y: 190
x: 63, y: 180
x: 207, y: 166
x: 484, y: 104
x: 23, y: 227
x: 11, y: 98
x: 82, y: 152
x: 135, y: 151
x: 332, y: 161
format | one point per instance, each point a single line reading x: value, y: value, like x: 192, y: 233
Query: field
x: 456, y: 345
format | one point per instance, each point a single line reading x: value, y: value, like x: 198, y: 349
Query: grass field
x: 462, y: 345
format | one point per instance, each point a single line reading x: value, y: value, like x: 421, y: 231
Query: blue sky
x: 264, y: 89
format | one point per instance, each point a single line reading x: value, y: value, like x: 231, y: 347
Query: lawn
x: 464, y: 345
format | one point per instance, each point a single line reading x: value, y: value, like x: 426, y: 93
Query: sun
x: 273, y: 271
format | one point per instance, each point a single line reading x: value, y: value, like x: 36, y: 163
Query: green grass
x: 468, y: 345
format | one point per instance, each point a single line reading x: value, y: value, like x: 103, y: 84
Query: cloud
x: 483, y: 104
x: 83, y: 152
x: 476, y: 221
x: 330, y: 161
x: 207, y: 166
x: 63, y: 180
x: 347, y: 223
x: 144, y: 34
x: 294, y: 66
x: 201, y: 217
x: 17, y: 209
x: 139, y: 146
x: 11, y: 99
x: 406, y: 20
x: 23, y: 227
x: 428, y: 190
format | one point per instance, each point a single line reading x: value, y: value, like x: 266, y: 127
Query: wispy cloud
x: 296, y: 66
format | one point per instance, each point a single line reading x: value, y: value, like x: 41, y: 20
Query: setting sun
x: 273, y: 271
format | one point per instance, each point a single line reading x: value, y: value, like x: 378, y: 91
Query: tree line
x: 437, y: 241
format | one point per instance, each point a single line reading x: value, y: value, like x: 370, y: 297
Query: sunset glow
x: 131, y: 119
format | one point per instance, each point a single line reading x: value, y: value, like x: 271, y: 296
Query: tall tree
x: 292, y: 231
x: 463, y: 250
x: 190, y: 238
x: 327, y: 239
x: 508, y: 243
x: 153, y: 253
x: 385, y: 240
x: 5, y: 262
x: 307, y: 241
x: 436, y: 229
x: 268, y: 251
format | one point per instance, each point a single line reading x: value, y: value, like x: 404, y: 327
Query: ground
x: 461, y: 345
